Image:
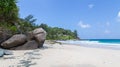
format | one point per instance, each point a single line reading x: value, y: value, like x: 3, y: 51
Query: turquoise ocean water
x: 112, y: 41
x: 96, y: 43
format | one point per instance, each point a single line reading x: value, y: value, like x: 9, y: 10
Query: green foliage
x: 8, y: 11
x: 55, y: 33
x: 13, y: 29
x: 8, y: 15
x: 27, y: 24
x: 9, y: 27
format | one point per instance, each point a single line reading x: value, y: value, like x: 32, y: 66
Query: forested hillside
x: 10, y: 21
x: 56, y: 33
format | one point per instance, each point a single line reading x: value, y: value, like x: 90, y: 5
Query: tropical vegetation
x: 10, y: 20
x: 56, y: 33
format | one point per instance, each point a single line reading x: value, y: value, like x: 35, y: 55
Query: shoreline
x: 64, y: 55
x: 112, y: 46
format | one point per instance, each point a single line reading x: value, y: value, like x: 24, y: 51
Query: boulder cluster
x: 32, y: 40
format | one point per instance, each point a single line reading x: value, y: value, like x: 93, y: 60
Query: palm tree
x: 27, y: 24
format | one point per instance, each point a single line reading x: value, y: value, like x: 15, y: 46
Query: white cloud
x: 82, y: 25
x: 119, y: 14
x: 107, y: 31
x: 91, y: 6
x: 118, y: 17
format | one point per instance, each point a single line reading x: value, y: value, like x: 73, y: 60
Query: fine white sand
x: 63, y: 56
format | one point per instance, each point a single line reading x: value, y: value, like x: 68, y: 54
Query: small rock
x: 1, y: 52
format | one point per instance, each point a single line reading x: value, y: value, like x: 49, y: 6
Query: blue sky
x: 93, y: 19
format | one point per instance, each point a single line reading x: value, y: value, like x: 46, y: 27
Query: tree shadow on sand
x: 12, y: 57
x: 27, y: 61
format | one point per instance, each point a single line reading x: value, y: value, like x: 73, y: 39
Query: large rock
x: 27, y: 46
x: 40, y: 36
x: 39, y: 31
x: 30, y: 36
x: 4, y: 35
x: 15, y: 40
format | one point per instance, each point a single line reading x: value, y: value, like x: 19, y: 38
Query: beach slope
x: 56, y: 55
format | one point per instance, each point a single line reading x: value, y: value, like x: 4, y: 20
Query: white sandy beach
x: 63, y: 56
